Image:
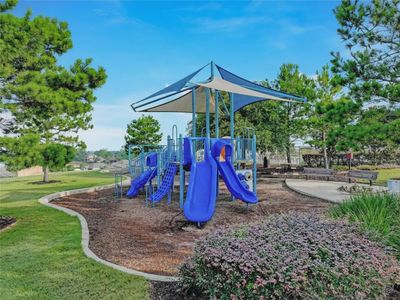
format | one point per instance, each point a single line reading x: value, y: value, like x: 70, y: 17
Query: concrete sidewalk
x: 325, y: 190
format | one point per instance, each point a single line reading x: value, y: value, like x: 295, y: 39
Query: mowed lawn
x: 385, y: 174
x: 41, y: 255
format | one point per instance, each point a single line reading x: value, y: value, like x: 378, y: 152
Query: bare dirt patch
x: 157, y: 240
x: 6, y: 221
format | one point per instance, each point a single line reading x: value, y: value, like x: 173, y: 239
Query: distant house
x: 36, y: 170
x: 96, y: 166
x: 74, y: 164
x: 121, y: 164
x: 4, y: 172
x: 91, y: 157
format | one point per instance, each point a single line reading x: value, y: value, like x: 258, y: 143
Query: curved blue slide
x: 229, y: 175
x: 140, y: 181
x: 202, y: 190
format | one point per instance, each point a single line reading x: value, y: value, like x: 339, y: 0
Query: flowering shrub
x: 290, y: 256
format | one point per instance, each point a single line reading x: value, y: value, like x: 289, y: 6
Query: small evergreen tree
x: 143, y: 131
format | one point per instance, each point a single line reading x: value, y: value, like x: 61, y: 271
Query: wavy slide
x: 140, y: 181
x: 229, y: 175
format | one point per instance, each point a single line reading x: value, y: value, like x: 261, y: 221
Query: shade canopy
x: 184, y: 103
x: 178, y: 96
x: 226, y: 86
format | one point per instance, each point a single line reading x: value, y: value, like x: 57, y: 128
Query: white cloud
x: 110, y: 121
x: 103, y: 137
x: 226, y: 24
x: 278, y: 44
x: 298, y: 29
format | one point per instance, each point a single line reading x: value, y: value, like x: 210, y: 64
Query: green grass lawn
x: 385, y: 174
x: 41, y: 255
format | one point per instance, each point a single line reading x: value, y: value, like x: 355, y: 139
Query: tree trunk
x: 288, y: 155
x: 326, y: 161
x: 46, y: 174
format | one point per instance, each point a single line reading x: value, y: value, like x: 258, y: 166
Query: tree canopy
x: 38, y: 97
x: 371, y: 33
x: 143, y: 131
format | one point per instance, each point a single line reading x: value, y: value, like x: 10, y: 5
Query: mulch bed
x: 6, y: 221
x: 157, y: 240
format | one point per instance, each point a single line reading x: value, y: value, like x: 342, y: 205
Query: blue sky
x: 145, y: 45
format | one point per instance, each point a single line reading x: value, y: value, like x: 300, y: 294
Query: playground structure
x: 206, y: 157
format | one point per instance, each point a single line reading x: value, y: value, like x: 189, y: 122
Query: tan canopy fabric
x: 223, y: 85
x: 184, y: 103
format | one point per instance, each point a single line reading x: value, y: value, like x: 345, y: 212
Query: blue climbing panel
x: 166, y: 184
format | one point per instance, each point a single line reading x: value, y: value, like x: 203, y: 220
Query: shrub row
x: 377, y: 213
x: 290, y: 256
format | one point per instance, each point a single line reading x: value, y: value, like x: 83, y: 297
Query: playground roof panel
x: 175, y: 87
x: 178, y: 96
x: 223, y: 85
x: 184, y: 103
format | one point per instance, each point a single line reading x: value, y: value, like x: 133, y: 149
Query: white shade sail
x: 184, y: 103
x: 223, y: 85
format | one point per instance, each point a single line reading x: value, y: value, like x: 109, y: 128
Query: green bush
x: 377, y: 213
x: 290, y: 256
x: 340, y: 168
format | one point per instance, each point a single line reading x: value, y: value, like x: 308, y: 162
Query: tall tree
x: 38, y: 97
x: 329, y: 114
x: 103, y: 153
x: 375, y: 134
x: 290, y: 117
x: 276, y: 124
x: 143, y: 131
x: 371, y: 32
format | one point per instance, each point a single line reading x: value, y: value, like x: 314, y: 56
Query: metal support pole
x: 159, y: 169
x: 208, y: 113
x: 194, y: 112
x: 216, y: 115
x: 254, y: 150
x: 142, y: 160
x: 129, y: 160
x: 181, y: 172
x: 232, y: 125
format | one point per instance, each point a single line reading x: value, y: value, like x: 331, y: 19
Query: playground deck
x: 157, y: 240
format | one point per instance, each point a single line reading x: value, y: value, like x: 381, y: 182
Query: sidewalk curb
x: 46, y: 200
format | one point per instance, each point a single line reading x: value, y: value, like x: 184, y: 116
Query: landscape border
x: 46, y: 200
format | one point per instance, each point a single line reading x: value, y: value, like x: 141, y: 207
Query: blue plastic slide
x: 166, y: 184
x: 140, y: 181
x: 202, y: 190
x: 229, y: 175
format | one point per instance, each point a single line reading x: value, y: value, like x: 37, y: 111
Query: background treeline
x: 353, y: 103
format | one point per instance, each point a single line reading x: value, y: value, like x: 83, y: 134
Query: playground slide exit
x: 228, y: 173
x: 202, y: 190
x: 140, y: 181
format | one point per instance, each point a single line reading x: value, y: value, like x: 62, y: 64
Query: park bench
x: 361, y: 174
x: 318, y: 172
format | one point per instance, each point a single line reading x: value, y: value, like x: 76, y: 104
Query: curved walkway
x: 46, y: 200
x: 324, y: 190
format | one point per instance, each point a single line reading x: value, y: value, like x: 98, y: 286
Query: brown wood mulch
x: 158, y: 239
